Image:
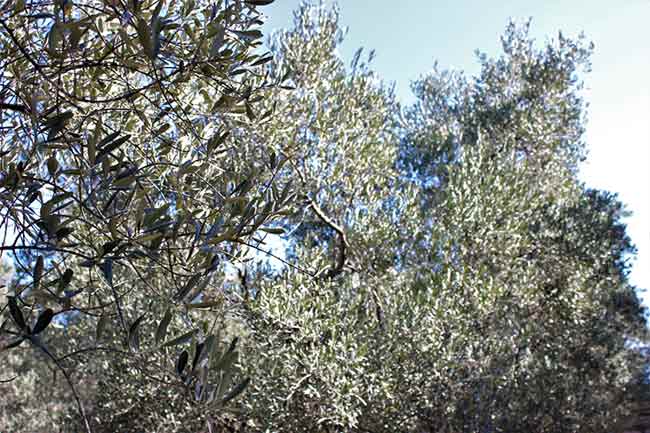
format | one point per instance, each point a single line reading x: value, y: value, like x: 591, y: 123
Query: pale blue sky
x: 410, y: 35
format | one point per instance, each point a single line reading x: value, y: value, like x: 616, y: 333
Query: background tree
x: 478, y: 299
x: 343, y: 138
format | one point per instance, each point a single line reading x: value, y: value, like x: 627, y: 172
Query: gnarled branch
x: 341, y: 256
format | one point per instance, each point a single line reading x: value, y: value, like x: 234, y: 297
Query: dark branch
x: 14, y: 107
x: 340, y: 257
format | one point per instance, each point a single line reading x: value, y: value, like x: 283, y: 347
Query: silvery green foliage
x: 509, y: 223
x: 341, y: 135
x: 445, y: 270
x: 343, y: 138
x: 484, y: 288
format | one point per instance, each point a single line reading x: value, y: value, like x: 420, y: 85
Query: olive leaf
x: 43, y: 321
x: 134, y: 334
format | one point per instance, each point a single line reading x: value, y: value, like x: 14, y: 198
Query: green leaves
x: 207, y: 365
x: 161, y: 331
x: 52, y: 166
x: 134, y: 334
x: 145, y: 38
x: 38, y: 272
x: 149, y: 35
x: 56, y: 123
x: 156, y: 27
x: 238, y: 389
x: 102, y: 323
x: 16, y: 314
x: 203, y: 350
x: 273, y: 230
x: 153, y: 215
x: 43, y: 321
x: 181, y: 339
x: 249, y: 35
x: 54, y: 39
x: 107, y: 270
x: 104, y: 157
x: 109, y: 144
x: 65, y: 279
x: 154, y: 152
x: 216, y: 141
x: 187, y: 288
x: 182, y: 362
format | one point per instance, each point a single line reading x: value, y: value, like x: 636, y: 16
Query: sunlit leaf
x: 181, y: 339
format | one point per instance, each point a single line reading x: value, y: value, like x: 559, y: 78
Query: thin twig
x: 68, y: 379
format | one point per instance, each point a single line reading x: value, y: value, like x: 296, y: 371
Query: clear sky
x: 409, y: 35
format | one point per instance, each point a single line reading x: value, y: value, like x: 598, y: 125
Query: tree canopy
x: 205, y: 235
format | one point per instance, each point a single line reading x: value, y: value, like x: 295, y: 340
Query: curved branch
x: 68, y: 379
x: 341, y: 256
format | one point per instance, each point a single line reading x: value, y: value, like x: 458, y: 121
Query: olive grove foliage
x: 454, y: 274
x: 445, y: 270
x: 344, y: 142
x: 512, y: 225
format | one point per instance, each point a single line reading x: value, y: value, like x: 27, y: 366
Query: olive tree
x: 459, y: 279
x: 122, y: 193
x: 215, y: 218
